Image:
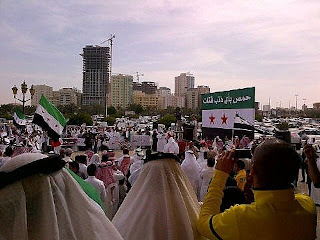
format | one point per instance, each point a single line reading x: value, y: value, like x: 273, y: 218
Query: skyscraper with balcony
x: 96, y: 70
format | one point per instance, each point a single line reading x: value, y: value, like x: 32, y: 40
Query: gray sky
x: 269, y: 44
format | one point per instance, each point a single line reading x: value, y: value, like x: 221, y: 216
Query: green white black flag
x: 19, y: 118
x: 49, y: 118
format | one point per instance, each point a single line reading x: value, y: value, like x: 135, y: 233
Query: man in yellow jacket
x: 277, y: 212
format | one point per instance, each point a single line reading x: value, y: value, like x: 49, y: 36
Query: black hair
x: 276, y: 164
x: 104, y: 158
x: 240, y: 164
x: 210, y: 162
x: 81, y: 159
x: 8, y: 152
x: 91, y: 169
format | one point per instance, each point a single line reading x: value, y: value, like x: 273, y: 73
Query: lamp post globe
x: 24, y: 89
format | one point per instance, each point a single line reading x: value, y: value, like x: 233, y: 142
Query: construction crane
x: 110, y: 40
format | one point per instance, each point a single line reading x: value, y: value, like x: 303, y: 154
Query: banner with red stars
x: 232, y: 109
x: 226, y: 118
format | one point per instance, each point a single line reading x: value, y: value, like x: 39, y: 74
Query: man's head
x: 69, y: 152
x: 74, y: 167
x: 125, y: 151
x: 81, y: 159
x: 210, y: 162
x: 62, y: 152
x: 91, y: 170
x: 104, y: 158
x: 275, y: 165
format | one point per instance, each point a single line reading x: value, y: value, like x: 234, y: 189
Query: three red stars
x: 224, y: 119
x: 212, y: 119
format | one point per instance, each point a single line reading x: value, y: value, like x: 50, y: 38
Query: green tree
x: 112, y: 110
x: 80, y: 118
x: 137, y: 108
x: 167, y: 120
x: 110, y: 120
x: 68, y: 110
x: 93, y: 110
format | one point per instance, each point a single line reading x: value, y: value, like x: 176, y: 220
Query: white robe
x: 50, y: 206
x: 206, y: 175
x: 171, y: 147
x: 161, y: 205
x: 192, y: 169
x: 162, y: 141
x: 315, y: 192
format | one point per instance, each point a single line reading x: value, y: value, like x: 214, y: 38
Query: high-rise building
x: 39, y: 91
x: 121, y: 91
x: 192, y: 98
x: 96, y: 70
x: 182, y: 83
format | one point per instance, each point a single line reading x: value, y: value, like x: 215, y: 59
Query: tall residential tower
x: 96, y: 71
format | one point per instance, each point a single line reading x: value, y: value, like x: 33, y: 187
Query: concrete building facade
x: 202, y: 90
x: 164, y: 91
x: 149, y: 87
x: 40, y: 90
x: 96, y: 70
x: 146, y: 100
x: 316, y: 105
x: 192, y: 98
x: 121, y: 91
x: 182, y: 83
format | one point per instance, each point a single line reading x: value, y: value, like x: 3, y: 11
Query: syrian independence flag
x: 241, y: 123
x: 19, y: 119
x: 49, y: 118
x: 226, y: 118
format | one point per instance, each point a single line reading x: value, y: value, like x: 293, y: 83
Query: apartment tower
x: 96, y: 71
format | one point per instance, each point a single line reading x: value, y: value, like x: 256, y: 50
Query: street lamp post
x: 24, y: 89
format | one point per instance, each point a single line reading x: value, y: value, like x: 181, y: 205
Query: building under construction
x: 96, y: 71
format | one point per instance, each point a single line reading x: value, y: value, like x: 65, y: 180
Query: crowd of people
x: 236, y: 188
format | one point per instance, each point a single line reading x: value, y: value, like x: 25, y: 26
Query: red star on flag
x: 224, y: 119
x: 211, y: 118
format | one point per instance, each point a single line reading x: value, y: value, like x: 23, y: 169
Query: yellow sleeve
x: 213, y: 224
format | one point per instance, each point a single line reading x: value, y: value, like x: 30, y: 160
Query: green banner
x: 233, y: 99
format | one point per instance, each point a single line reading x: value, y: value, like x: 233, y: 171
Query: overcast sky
x: 269, y: 44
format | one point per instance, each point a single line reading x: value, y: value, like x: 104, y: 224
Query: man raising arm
x: 277, y: 212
